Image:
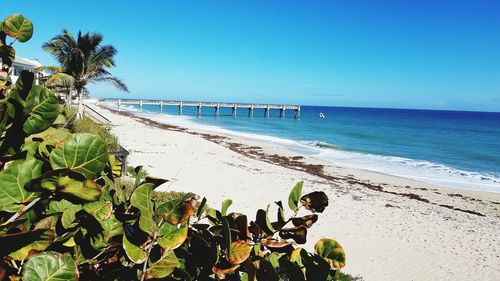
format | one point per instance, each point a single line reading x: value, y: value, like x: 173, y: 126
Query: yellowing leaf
x: 39, y: 241
x: 331, y: 251
x: 134, y: 253
x: 172, y: 236
x: 239, y: 252
x: 163, y: 267
x: 18, y: 27
x: 178, y: 210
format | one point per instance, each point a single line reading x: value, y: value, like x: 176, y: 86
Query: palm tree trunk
x: 79, y: 107
x: 68, y: 98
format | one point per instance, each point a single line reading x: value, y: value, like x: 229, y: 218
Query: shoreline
x: 321, y: 168
x: 391, y: 227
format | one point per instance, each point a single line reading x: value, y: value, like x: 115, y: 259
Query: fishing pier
x: 249, y: 107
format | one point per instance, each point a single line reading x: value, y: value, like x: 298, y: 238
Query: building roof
x: 24, y: 61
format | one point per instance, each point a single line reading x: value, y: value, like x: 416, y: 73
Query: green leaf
x: 99, y: 210
x: 18, y: 27
x: 273, y: 258
x: 115, y: 165
x: 293, y: 198
x: 31, y: 149
x: 331, y: 251
x: 263, y: 221
x: 69, y: 216
x: 225, y: 205
x: 172, y: 236
x: 42, y: 241
x: 47, y: 223
x: 71, y: 185
x: 110, y: 228
x: 12, y: 181
x: 18, y: 245
x: 134, y: 253
x: 43, y: 110
x: 239, y: 252
x: 163, y: 267
x: 226, y: 232
x: 50, y: 266
x: 141, y: 199
x: 178, y: 210
x: 58, y: 206
x: 315, y: 201
x: 201, y: 207
x: 81, y: 152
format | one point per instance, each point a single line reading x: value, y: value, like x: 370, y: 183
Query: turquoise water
x: 452, y: 148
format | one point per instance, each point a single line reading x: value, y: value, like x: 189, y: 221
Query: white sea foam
x: 420, y: 170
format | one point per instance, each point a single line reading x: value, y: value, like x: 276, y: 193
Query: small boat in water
x: 321, y: 115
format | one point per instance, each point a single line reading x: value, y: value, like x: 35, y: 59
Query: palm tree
x: 82, y: 61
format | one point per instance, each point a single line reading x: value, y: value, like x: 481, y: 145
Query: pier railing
x: 215, y: 105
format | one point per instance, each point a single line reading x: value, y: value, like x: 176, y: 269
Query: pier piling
x: 217, y: 110
x: 198, y: 110
x: 234, y: 110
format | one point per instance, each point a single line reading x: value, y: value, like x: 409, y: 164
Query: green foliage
x: 86, y: 125
x: 64, y: 215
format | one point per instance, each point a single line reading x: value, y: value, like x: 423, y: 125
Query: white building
x: 21, y: 64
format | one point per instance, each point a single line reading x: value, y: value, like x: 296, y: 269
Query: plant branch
x: 23, y: 210
x: 149, y: 251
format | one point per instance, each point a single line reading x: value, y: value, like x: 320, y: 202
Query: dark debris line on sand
x: 255, y: 152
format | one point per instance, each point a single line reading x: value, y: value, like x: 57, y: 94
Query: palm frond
x: 60, y: 79
x: 117, y: 83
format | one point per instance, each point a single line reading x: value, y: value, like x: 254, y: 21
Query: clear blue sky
x: 409, y: 54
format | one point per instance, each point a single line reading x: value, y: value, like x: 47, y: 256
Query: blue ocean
x: 451, y: 148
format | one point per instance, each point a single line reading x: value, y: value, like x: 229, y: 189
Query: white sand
x: 385, y: 236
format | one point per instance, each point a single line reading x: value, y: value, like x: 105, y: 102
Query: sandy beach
x: 391, y: 228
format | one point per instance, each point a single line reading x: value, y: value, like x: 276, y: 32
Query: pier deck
x: 216, y: 105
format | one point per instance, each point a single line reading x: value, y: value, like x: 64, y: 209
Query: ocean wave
x: 420, y: 170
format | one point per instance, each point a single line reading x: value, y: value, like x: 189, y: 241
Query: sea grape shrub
x: 62, y: 217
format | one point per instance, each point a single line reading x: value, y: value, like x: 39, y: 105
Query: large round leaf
x: 178, y: 210
x: 41, y: 240
x: 172, y: 236
x: 331, y: 251
x: 71, y: 185
x: 12, y: 182
x: 50, y: 266
x: 18, y: 27
x: 141, y: 199
x: 163, y: 267
x: 84, y: 153
x: 239, y: 252
x: 99, y: 210
x: 135, y: 253
x: 315, y: 201
x: 43, y: 110
x: 110, y: 229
